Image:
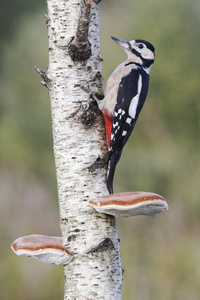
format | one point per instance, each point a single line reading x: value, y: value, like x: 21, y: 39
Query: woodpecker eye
x: 141, y: 46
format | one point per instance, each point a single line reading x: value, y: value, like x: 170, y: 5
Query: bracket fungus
x: 130, y: 204
x: 48, y: 249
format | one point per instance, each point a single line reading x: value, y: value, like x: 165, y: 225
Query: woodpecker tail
x: 114, y: 157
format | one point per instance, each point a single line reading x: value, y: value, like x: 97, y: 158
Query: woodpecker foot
x: 97, y: 97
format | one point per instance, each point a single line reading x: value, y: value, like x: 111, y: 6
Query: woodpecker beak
x: 125, y: 45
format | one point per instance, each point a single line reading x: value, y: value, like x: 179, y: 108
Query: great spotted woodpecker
x: 125, y: 94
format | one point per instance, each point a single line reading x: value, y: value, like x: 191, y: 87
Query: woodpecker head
x: 139, y: 51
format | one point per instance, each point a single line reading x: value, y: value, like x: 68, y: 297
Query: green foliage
x: 160, y: 255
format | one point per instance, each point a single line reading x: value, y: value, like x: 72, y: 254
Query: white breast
x: 112, y: 85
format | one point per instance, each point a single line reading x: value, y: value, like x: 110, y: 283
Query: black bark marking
x: 106, y: 245
x: 98, y: 164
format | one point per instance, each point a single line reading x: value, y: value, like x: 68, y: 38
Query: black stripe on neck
x: 133, y: 63
x: 146, y: 62
x: 136, y: 54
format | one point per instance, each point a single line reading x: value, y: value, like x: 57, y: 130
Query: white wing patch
x: 128, y: 120
x: 134, y: 102
x: 116, y: 124
x: 118, y: 112
x: 133, y: 106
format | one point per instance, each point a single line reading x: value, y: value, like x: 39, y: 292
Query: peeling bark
x: 80, y: 149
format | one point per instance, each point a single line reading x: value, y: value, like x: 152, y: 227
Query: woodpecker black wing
x: 131, y: 96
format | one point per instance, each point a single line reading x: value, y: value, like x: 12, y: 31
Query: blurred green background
x: 160, y: 256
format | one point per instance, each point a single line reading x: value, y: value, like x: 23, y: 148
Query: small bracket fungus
x: 130, y: 204
x: 48, y: 249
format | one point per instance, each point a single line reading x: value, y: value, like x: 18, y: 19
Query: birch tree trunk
x: 80, y: 149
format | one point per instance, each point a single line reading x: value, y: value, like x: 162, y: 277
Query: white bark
x: 95, y: 272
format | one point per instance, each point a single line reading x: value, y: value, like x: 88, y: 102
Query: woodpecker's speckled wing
x: 131, y: 96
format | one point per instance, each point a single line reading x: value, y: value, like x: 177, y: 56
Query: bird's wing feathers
x: 131, y: 96
x: 130, y: 99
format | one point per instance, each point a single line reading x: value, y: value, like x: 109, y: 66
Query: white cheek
x: 148, y: 54
x: 152, y: 55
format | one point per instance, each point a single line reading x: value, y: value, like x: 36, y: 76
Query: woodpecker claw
x: 97, y: 97
x: 88, y: 104
x: 91, y: 99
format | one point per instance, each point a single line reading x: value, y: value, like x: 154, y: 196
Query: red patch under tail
x: 108, y: 123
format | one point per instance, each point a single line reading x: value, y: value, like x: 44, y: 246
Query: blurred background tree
x: 160, y: 256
